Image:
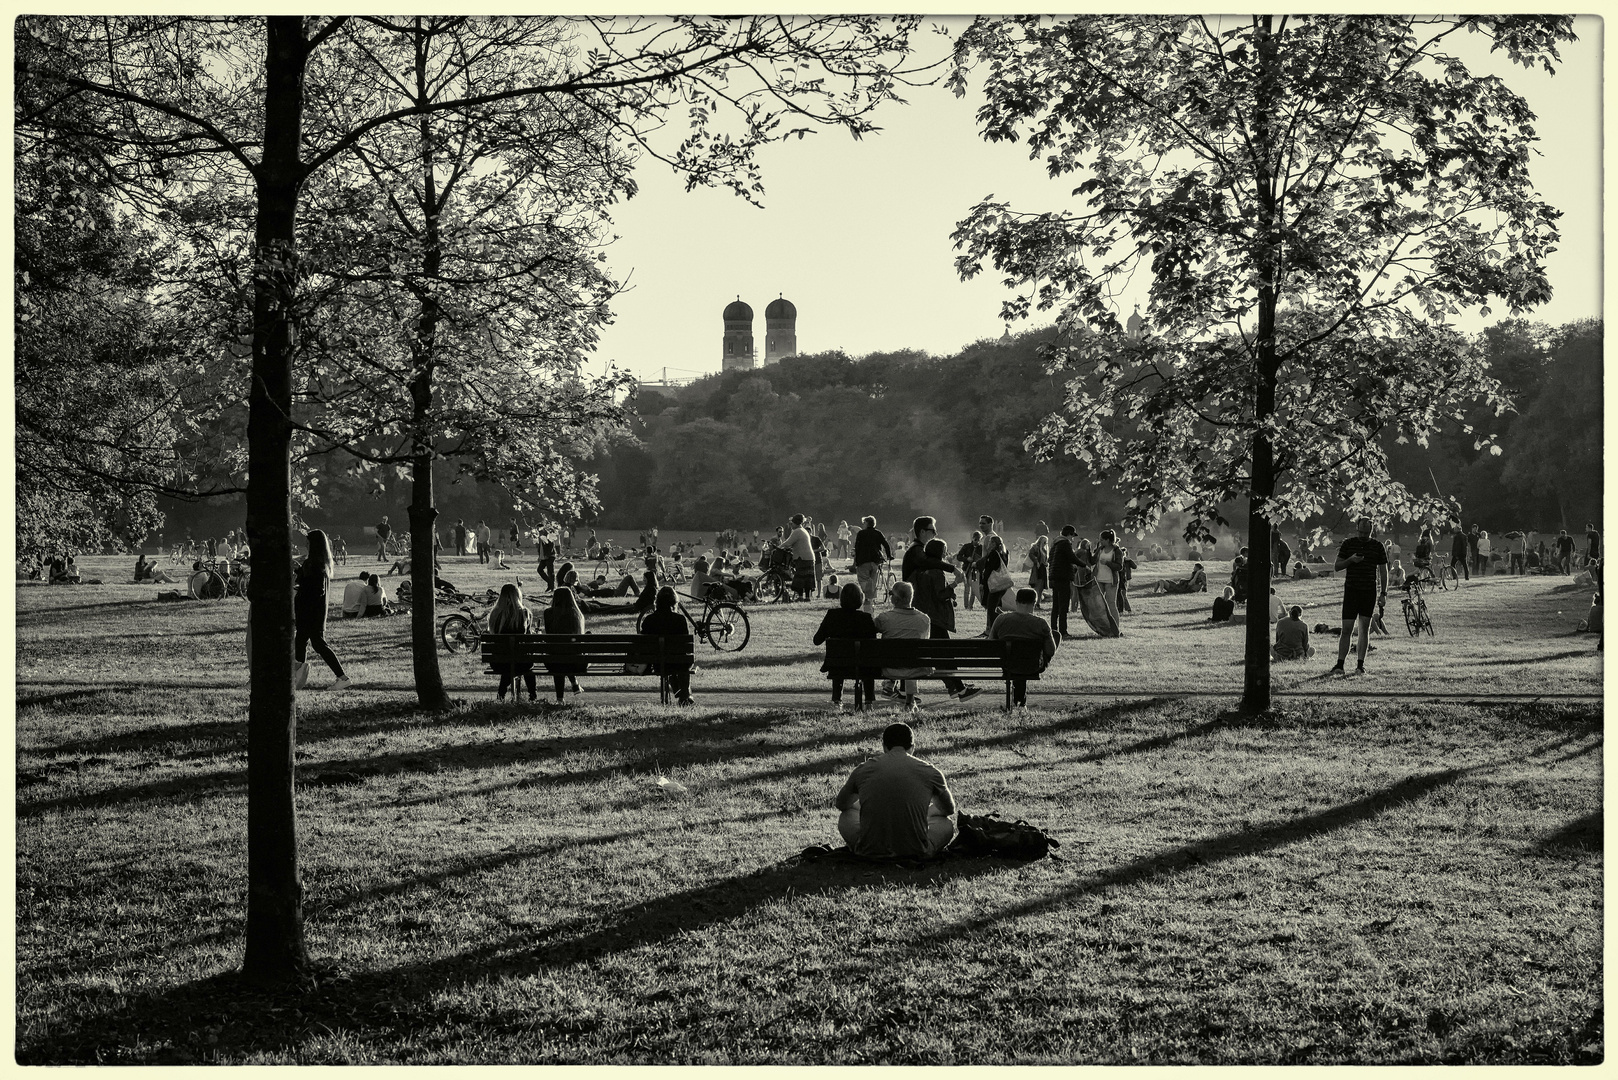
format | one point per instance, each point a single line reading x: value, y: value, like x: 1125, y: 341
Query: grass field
x: 1346, y: 880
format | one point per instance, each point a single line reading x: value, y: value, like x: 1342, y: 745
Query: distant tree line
x: 897, y: 434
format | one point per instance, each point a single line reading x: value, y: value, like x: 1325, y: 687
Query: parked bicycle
x: 723, y: 624
x: 1415, y: 608
x: 461, y: 629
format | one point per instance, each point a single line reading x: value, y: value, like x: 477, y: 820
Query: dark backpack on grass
x: 985, y: 834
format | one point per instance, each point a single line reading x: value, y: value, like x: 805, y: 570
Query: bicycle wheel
x: 458, y: 633
x: 727, y: 628
x: 770, y: 590
x: 1410, y: 617
x: 1426, y: 621
x: 238, y: 584
x: 207, y: 585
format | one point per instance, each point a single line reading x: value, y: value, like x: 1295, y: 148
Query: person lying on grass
x: 1292, y: 637
x: 896, y: 806
x: 664, y: 621
x: 1197, y: 582
x: 1021, y: 622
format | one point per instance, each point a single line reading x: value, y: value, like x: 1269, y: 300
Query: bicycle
x: 723, y: 624
x: 1415, y: 609
x: 207, y: 583
x: 461, y: 630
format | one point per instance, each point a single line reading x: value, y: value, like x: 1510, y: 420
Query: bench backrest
x: 607, y: 650
x: 1014, y: 655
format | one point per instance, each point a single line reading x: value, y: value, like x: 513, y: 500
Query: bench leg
x: 663, y: 689
x: 1008, y: 695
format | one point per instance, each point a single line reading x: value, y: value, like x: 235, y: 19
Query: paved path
x: 1353, y: 688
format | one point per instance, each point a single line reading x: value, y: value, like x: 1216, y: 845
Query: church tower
x: 780, y: 330
x: 738, y: 353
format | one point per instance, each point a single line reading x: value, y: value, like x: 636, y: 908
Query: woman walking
x: 996, y: 577
x: 1109, y: 568
x: 510, y: 616
x: 563, y: 617
x: 309, y: 605
x: 1039, y: 559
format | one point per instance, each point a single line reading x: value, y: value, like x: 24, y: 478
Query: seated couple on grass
x: 365, y: 598
x: 896, y: 806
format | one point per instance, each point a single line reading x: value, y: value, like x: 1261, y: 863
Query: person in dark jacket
x: 935, y: 598
x: 563, y: 617
x: 967, y: 559
x: 871, y: 550
x: 848, y: 619
x: 1459, y: 555
x: 1224, y: 605
x: 664, y: 621
x: 309, y: 605
x: 1063, y: 568
x: 511, y: 616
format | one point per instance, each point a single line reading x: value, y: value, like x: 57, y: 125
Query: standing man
x: 871, y: 550
x: 1564, y: 552
x: 967, y: 559
x: 1592, y: 543
x: 802, y: 550
x: 1459, y: 555
x: 460, y: 536
x: 485, y: 540
x: 1064, y: 567
x: 547, y: 556
x: 1365, y: 585
x: 383, y: 531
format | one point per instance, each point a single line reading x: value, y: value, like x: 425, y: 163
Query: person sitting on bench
x: 903, y: 621
x: 664, y: 621
x: 848, y: 620
x: 563, y: 617
x: 896, y: 806
x: 1021, y: 622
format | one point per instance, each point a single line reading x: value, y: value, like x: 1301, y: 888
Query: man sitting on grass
x: 1292, y: 637
x: 896, y: 806
x: 354, y: 595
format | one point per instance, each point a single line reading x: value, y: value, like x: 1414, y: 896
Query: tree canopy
x: 1309, y: 196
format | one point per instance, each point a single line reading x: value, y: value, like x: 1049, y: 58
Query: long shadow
x: 1581, y: 834
x: 1571, y: 654
x: 222, y: 1015
x: 757, y: 661
x: 1219, y: 849
x: 50, y: 614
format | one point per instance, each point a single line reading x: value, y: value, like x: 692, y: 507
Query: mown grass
x: 1349, y: 881
x: 1497, y: 635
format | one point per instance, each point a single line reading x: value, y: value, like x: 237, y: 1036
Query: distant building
x: 738, y: 353
x: 780, y: 330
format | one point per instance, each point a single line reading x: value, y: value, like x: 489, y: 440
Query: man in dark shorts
x: 1365, y: 584
x: 383, y: 531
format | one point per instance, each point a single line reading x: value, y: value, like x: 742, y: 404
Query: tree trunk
x: 275, y: 952
x: 1256, y: 681
x: 423, y: 514
x: 423, y: 616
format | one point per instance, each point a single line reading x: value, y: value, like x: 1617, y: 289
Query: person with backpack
x: 896, y: 806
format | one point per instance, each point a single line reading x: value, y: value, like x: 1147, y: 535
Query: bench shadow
x: 1571, y: 654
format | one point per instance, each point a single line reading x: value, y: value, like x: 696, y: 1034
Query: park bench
x: 960, y: 658
x: 593, y: 654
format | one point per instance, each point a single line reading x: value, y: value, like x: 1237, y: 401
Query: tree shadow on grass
x: 224, y: 1018
x: 1583, y: 834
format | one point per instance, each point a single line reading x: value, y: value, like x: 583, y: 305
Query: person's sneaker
x: 887, y: 690
x: 968, y: 693
x: 1359, y: 669
x: 575, y: 689
x: 687, y: 700
x: 837, y: 706
x: 343, y: 683
x: 1337, y: 669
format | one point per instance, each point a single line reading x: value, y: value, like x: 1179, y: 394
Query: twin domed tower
x: 780, y: 334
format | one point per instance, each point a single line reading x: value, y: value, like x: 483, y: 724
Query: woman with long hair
x: 1108, y: 570
x: 564, y: 617
x: 1089, y: 597
x: 848, y: 620
x: 1039, y: 560
x: 665, y: 621
x: 309, y: 605
x: 994, y: 559
x: 510, y: 616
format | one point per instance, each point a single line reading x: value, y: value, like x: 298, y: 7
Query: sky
x: 856, y: 232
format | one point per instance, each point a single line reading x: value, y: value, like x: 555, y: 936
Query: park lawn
x: 1496, y: 635
x: 1344, y: 881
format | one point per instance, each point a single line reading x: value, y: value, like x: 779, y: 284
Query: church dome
x: 780, y: 309
x: 738, y: 312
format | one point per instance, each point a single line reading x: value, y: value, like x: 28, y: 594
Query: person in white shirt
x: 485, y: 541
x: 903, y: 621
x: 802, y: 550
x: 354, y: 596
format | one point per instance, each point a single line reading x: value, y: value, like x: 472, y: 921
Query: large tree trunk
x: 423, y: 513
x: 275, y: 950
x: 1256, y: 681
